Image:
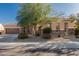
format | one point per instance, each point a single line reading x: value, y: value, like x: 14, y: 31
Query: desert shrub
x: 47, y: 33
x: 37, y: 34
x: 22, y: 36
x: 77, y: 31
x: 47, y: 30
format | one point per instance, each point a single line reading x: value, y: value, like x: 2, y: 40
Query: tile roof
x: 53, y: 24
x: 11, y: 26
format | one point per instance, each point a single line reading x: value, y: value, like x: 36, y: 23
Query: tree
x: 72, y: 18
x: 77, y: 21
x: 31, y: 14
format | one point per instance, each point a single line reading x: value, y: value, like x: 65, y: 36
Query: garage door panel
x: 12, y: 31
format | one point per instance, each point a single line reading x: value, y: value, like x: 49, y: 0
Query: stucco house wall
x: 2, y: 30
x: 70, y: 28
x: 12, y: 29
x: 15, y: 29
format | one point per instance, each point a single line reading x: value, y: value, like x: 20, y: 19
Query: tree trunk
x: 66, y: 28
x: 40, y: 30
x: 59, y: 30
x: 50, y: 25
x: 24, y: 30
x: 28, y: 29
x: 35, y: 30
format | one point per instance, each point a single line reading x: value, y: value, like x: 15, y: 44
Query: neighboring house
x: 2, y: 30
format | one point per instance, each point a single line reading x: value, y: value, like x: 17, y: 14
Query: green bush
x: 47, y: 33
x: 77, y: 31
x: 22, y: 36
x: 47, y: 30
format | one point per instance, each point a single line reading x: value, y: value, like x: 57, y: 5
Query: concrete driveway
x: 8, y: 37
x: 13, y: 38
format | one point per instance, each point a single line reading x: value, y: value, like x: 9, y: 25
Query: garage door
x: 12, y: 31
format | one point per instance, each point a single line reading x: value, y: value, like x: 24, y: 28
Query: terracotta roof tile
x: 11, y: 26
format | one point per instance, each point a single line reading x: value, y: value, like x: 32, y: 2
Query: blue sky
x: 66, y: 8
x: 8, y: 11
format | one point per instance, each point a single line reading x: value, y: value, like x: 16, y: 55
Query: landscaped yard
x: 10, y: 45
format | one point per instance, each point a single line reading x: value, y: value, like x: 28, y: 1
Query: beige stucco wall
x: 71, y: 25
x: 2, y: 30
x: 53, y: 25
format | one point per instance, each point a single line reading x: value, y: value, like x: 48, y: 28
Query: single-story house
x: 15, y: 29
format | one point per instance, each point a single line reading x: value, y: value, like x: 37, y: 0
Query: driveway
x: 13, y: 38
x: 8, y: 37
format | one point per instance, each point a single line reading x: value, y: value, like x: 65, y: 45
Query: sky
x: 8, y: 11
x: 66, y: 8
